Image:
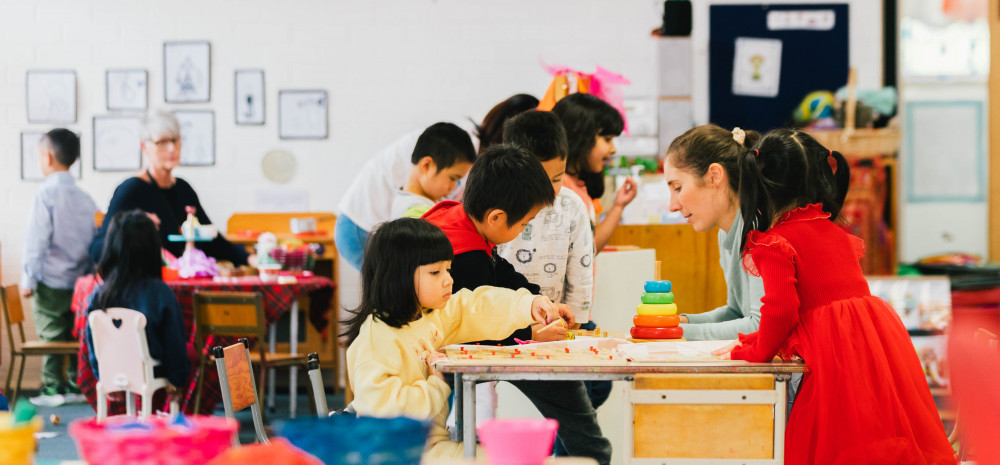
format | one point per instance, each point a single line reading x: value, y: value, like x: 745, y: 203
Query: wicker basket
x: 854, y: 142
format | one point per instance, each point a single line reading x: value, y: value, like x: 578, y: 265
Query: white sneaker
x: 53, y: 400
x: 74, y: 398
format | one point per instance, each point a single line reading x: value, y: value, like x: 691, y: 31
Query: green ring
x: 657, y: 297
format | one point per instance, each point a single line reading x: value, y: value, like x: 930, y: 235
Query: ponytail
x: 842, y: 181
x: 755, y: 203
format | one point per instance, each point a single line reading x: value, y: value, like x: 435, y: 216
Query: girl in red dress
x: 864, y: 399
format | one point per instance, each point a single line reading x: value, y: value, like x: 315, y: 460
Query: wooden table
x: 467, y: 374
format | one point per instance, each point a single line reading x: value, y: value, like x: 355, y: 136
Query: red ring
x: 657, y: 333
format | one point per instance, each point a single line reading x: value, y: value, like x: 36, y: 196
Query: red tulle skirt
x: 865, y: 399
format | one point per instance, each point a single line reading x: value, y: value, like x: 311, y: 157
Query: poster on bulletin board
x: 764, y: 59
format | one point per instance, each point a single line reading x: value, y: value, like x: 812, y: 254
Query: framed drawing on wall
x: 249, y: 87
x: 116, y: 143
x: 51, y: 96
x: 187, y: 74
x: 197, y: 137
x: 302, y: 114
x: 127, y: 89
x: 30, y: 169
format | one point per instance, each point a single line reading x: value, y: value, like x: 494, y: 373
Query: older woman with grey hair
x: 162, y: 196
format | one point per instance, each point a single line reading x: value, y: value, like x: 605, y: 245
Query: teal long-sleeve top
x: 741, y: 314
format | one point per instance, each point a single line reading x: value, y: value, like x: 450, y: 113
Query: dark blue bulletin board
x: 810, y: 60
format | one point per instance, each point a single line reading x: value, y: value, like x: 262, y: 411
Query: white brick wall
x: 390, y: 66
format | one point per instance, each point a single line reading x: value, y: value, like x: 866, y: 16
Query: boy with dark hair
x: 556, y: 249
x: 444, y: 154
x: 60, y: 228
x: 506, y: 189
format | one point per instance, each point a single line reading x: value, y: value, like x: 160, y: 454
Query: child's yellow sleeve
x: 485, y: 313
x: 388, y: 392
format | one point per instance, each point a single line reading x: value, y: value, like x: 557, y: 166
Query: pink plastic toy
x: 518, y: 441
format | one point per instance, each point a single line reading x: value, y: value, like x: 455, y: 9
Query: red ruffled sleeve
x: 757, y: 240
x: 774, y: 259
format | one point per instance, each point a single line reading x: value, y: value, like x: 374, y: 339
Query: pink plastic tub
x: 518, y: 441
x: 124, y: 440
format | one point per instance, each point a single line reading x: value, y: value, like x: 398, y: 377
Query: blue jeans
x: 351, y: 241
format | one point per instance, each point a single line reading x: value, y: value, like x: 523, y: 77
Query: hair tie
x: 756, y: 153
x: 739, y: 135
x: 832, y: 162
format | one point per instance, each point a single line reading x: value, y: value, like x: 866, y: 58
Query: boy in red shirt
x: 506, y: 189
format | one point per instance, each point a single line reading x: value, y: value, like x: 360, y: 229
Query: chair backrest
x: 228, y: 314
x: 120, y: 345
x: 239, y: 376
x: 13, y: 312
x: 239, y: 388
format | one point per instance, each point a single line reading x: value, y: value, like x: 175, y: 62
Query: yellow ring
x: 656, y: 309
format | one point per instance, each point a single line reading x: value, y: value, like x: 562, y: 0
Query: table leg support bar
x: 469, y: 417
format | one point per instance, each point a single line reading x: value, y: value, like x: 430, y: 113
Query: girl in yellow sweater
x: 408, y: 312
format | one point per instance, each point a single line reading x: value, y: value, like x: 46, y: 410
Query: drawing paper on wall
x: 302, y: 114
x: 30, y: 169
x: 186, y: 72
x: 51, y: 96
x: 757, y: 67
x: 250, y: 96
x: 127, y: 90
x: 197, y: 136
x: 116, y: 143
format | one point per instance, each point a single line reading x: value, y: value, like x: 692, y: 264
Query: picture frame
x: 30, y: 171
x: 302, y: 114
x: 116, y: 143
x: 187, y: 72
x: 127, y: 89
x: 50, y: 96
x: 197, y: 137
x: 249, y: 97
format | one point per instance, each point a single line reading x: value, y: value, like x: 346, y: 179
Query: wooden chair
x: 123, y: 360
x: 235, y: 314
x: 238, y: 386
x: 10, y: 297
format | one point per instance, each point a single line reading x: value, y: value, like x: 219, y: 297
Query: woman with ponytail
x: 864, y: 399
x: 702, y: 171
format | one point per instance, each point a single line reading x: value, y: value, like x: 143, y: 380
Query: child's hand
x: 545, y: 312
x: 555, y: 331
x: 725, y: 352
x: 626, y: 193
x: 430, y: 359
x: 27, y: 292
x: 173, y: 393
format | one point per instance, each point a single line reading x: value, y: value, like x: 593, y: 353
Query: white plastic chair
x: 123, y: 360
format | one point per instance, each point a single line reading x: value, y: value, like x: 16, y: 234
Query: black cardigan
x: 168, y: 204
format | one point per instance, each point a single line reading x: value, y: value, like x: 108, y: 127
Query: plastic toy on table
x: 656, y: 318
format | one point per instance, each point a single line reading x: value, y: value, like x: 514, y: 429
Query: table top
x: 628, y: 368
x: 250, y: 281
x: 307, y: 238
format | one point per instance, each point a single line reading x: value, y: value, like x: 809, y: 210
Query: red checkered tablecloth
x: 277, y: 299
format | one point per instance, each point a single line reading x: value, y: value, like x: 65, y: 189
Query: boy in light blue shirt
x: 60, y: 228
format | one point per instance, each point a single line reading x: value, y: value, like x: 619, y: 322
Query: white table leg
x: 469, y: 417
x: 272, y: 336
x: 780, y: 384
x: 293, y: 379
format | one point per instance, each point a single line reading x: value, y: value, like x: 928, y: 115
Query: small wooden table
x: 468, y: 373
